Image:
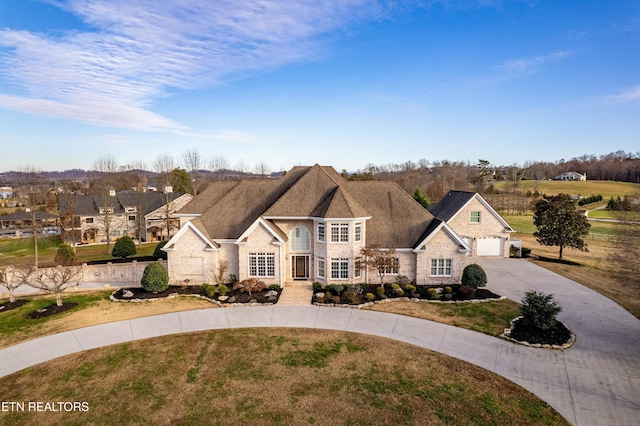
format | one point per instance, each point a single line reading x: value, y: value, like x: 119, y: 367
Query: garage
x: 490, y: 246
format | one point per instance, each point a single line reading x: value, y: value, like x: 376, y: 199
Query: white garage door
x: 490, y: 246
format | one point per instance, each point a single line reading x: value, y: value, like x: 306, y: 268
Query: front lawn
x: 271, y: 377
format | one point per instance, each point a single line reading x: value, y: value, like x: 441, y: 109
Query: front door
x: 300, y: 267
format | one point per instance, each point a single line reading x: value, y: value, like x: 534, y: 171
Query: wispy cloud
x: 631, y: 94
x: 530, y: 65
x: 139, y: 51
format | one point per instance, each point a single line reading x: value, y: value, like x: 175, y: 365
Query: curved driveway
x: 596, y: 382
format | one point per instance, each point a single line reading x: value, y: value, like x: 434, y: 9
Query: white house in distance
x: 571, y: 176
x: 310, y: 225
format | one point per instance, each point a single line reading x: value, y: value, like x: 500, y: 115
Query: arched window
x: 300, y: 240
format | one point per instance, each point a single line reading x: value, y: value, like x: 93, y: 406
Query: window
x: 339, y: 232
x: 262, y: 264
x: 132, y: 218
x: 441, y: 267
x: 393, y: 268
x: 475, y: 217
x: 321, y: 267
x: 340, y: 269
x: 116, y: 232
x: 300, y: 240
x: 88, y: 220
x: 357, y: 272
x: 321, y: 232
x: 358, y: 233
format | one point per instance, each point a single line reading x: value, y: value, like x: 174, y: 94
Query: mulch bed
x: 7, y: 306
x: 558, y: 335
x: 420, y: 293
x: 142, y: 294
x: 51, y: 310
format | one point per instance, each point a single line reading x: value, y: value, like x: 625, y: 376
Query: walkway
x: 596, y: 382
x: 296, y: 293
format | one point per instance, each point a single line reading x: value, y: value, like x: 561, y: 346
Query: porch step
x: 296, y: 293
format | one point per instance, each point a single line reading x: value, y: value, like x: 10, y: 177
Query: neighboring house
x: 479, y: 225
x: 310, y: 225
x: 148, y: 216
x: 571, y: 176
x: 19, y: 223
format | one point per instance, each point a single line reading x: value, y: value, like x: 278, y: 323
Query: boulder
x: 222, y: 298
x: 271, y: 293
x: 127, y: 294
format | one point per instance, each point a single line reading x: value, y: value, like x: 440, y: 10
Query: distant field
x: 524, y: 224
x: 605, y: 188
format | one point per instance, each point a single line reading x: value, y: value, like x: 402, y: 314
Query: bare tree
x: 8, y: 281
x: 193, y: 163
x: 378, y: 259
x: 262, y: 169
x: 107, y: 167
x: 221, y: 270
x: 34, y: 189
x: 218, y: 164
x: 55, y: 280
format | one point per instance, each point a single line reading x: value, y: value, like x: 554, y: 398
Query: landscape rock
x: 127, y: 294
x: 223, y: 298
x: 271, y: 293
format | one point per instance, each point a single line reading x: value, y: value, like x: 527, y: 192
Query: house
x: 475, y: 221
x: 571, y: 176
x: 20, y: 223
x: 310, y: 225
x: 141, y: 215
x: 6, y: 192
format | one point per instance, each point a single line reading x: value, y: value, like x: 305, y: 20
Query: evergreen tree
x: 559, y: 223
x: 420, y: 197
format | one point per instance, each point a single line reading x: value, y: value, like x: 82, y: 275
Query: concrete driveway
x: 596, y: 382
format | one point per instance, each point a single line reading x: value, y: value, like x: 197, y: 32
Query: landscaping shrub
x: 466, y: 292
x: 448, y: 290
x: 403, y: 280
x: 275, y: 287
x: 250, y: 285
x: 474, y: 276
x: 65, y: 255
x: 526, y: 251
x: 155, y: 278
x: 317, y: 287
x: 124, y: 247
x: 335, y: 289
x: 350, y: 297
x: 208, y: 290
x: 399, y: 292
x: 432, y: 292
x: 538, y: 311
x: 158, y: 253
x: 370, y: 297
x: 233, y: 279
x: 514, y: 251
x: 223, y: 290
x: 380, y: 291
x: 410, y: 288
x: 589, y: 200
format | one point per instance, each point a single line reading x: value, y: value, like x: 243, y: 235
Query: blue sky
x: 342, y: 83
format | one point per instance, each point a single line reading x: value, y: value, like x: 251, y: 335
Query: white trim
x: 254, y: 225
x: 181, y: 231
x: 316, y: 218
x: 443, y: 225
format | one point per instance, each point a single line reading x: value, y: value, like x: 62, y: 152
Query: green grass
x: 20, y: 251
x: 16, y: 320
x: 605, y: 188
x: 524, y: 224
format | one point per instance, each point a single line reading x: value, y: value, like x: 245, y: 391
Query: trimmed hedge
x: 124, y: 247
x: 474, y: 276
x: 155, y: 278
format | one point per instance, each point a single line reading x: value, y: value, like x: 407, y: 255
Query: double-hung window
x: 475, y: 217
x: 441, y: 267
x: 321, y: 267
x: 358, y: 232
x: 357, y: 268
x: 321, y: 232
x: 340, y: 268
x: 393, y: 267
x: 339, y: 232
x: 262, y: 265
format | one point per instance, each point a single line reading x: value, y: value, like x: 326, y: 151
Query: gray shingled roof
x: 450, y: 204
x: 88, y: 205
x: 396, y: 219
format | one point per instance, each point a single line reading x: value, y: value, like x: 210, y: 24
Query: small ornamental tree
x: 474, y: 276
x: 124, y: 247
x: 420, y: 197
x: 158, y: 253
x: 155, y: 278
x: 65, y: 255
x: 538, y: 311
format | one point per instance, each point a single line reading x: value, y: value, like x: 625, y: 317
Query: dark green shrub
x: 335, y: 289
x: 158, y: 253
x: 275, y: 287
x: 538, y: 311
x: 233, y: 279
x: 474, y: 276
x: 514, y: 251
x: 65, y: 255
x: 466, y: 292
x: 124, y: 247
x: 526, y: 251
x: 317, y: 287
x: 155, y: 277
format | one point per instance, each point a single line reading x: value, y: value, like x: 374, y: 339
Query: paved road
x: 596, y: 382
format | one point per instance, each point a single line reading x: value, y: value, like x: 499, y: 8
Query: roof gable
x: 455, y: 201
